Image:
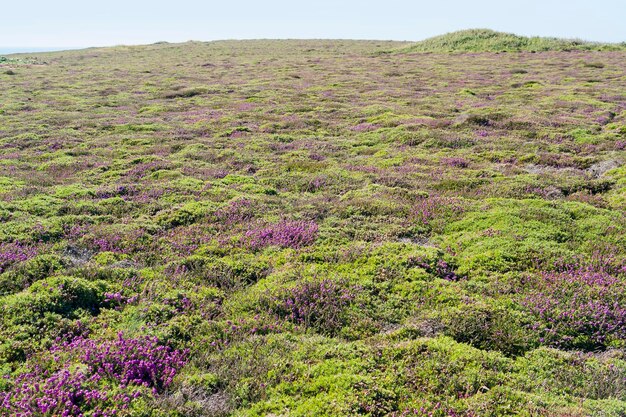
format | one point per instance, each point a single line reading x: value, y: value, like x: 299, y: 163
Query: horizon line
x: 55, y: 48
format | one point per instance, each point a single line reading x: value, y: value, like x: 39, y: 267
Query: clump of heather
x: 88, y: 377
x: 455, y: 162
x: 286, y: 234
x: 117, y: 191
x: 185, y: 240
x: 234, y: 212
x: 437, y: 267
x: 580, y: 307
x: 104, y: 241
x: 142, y: 170
x: 15, y: 252
x: 426, y: 210
x: 364, y: 127
x: 319, y: 305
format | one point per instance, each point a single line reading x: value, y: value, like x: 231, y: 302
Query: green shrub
x: 28, y: 272
x: 47, y: 309
x: 489, y: 327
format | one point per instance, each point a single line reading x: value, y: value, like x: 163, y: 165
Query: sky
x: 83, y: 23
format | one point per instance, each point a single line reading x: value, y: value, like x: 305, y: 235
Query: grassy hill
x: 312, y: 228
x: 485, y: 40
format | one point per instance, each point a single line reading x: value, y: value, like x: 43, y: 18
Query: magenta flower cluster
x: 109, y: 244
x: 15, y: 252
x: 286, y: 234
x: 578, y: 307
x: 88, y: 376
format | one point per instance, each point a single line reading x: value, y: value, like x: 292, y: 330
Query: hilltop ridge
x: 487, y: 40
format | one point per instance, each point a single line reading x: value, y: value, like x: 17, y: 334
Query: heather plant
x: 286, y: 234
x: 456, y: 162
x: 235, y: 212
x: 88, y: 377
x: 439, y: 266
x: 319, y: 304
x: 22, y: 275
x: 591, y: 375
x: 226, y: 272
x: 433, y: 411
x: 430, y: 211
x: 578, y: 308
x: 13, y: 253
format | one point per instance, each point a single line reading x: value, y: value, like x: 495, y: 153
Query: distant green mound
x: 485, y: 40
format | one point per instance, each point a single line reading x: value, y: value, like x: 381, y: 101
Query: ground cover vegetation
x: 313, y: 228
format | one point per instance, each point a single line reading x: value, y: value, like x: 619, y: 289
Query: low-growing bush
x: 489, y: 327
x: 46, y: 310
x: 319, y: 304
x: 578, y: 307
x: 15, y: 252
x: 89, y: 377
x: 19, y: 277
x: 227, y: 272
x: 286, y: 234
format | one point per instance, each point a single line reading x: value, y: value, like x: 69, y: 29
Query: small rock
x: 598, y: 169
x: 77, y: 255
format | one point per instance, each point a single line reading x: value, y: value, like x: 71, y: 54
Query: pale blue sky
x: 71, y: 23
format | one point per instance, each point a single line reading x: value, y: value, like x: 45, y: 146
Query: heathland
x: 314, y: 228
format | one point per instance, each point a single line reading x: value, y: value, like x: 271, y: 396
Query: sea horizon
x: 7, y: 50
